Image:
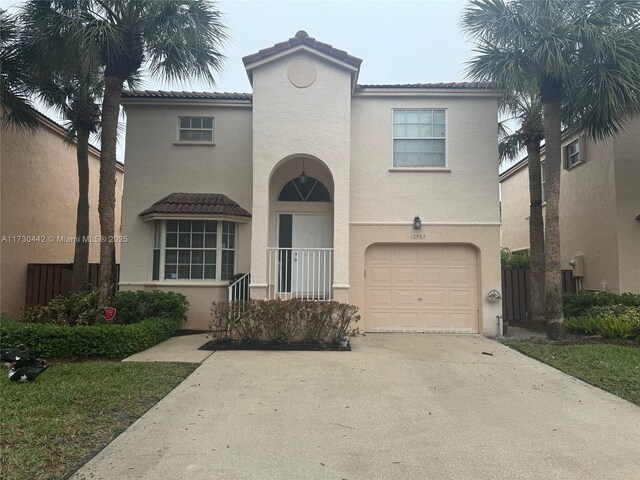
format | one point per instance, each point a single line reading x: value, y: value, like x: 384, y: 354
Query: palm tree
x: 73, y: 88
x: 174, y: 39
x: 14, y: 77
x: 583, y: 53
x: 527, y: 110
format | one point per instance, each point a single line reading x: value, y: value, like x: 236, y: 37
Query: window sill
x: 194, y: 144
x: 180, y: 283
x: 577, y: 164
x: 420, y: 169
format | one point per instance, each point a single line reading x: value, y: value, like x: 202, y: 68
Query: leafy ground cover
x: 50, y: 427
x: 614, y: 368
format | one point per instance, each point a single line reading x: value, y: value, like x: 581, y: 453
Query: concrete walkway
x: 397, y: 407
x: 177, y: 349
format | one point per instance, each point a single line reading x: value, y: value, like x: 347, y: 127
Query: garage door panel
x: 405, y: 276
x: 406, y: 298
x: 381, y: 276
x: 462, y: 299
x: 433, y: 276
x: 380, y: 298
x: 421, y: 288
x: 462, y: 275
x: 434, y: 298
x: 409, y: 254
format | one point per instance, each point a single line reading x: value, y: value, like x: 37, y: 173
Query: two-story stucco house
x: 599, y: 209
x: 311, y: 184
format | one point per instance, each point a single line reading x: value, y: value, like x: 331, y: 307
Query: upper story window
x: 572, y: 154
x: 194, y: 250
x: 419, y: 138
x: 195, y: 129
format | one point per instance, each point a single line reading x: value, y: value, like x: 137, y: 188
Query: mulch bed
x: 215, y: 345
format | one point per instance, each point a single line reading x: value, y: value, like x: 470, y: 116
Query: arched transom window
x: 313, y: 190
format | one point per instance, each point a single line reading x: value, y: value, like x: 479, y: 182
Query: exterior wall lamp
x: 417, y: 223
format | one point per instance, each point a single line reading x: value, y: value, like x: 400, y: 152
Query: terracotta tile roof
x: 195, y: 95
x: 196, y: 203
x: 453, y: 85
x: 302, y: 38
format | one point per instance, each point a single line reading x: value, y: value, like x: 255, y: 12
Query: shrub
x: 283, y: 322
x: 81, y: 308
x: 608, y: 322
x: 581, y: 303
x: 510, y: 261
x: 111, y: 341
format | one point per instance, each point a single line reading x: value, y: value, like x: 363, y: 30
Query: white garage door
x: 421, y: 288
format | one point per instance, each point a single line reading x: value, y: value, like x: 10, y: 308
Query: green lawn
x: 50, y: 427
x: 615, y: 368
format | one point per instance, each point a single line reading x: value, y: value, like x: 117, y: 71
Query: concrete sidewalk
x: 177, y: 349
x: 398, y: 406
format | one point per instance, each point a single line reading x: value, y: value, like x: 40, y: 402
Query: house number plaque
x: 417, y: 236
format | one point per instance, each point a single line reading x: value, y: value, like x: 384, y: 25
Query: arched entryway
x: 300, y: 256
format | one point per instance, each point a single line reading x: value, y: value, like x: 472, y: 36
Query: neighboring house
x: 38, y: 202
x: 311, y: 183
x: 599, y: 210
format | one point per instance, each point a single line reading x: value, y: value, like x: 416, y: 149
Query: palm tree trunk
x: 81, y: 254
x: 107, y: 196
x: 551, y: 92
x: 536, y: 236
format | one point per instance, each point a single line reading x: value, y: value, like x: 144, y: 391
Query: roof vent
x: 302, y: 34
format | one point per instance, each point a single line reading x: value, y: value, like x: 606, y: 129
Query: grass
x: 50, y: 427
x: 614, y: 368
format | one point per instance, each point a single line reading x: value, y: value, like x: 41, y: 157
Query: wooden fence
x: 46, y: 280
x: 516, y: 296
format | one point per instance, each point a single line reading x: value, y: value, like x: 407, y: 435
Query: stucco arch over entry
x: 300, y: 229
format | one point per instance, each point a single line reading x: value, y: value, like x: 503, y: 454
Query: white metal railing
x: 238, y: 296
x: 299, y: 273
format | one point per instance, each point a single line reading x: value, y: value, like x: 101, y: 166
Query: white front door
x: 311, y: 255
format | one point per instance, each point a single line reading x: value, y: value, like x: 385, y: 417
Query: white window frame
x: 443, y: 168
x: 202, y: 129
x: 542, y: 183
x: 568, y: 164
x: 160, y: 242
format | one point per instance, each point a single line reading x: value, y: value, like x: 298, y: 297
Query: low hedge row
x: 581, y: 303
x: 106, y: 340
x: 81, y: 308
x: 282, y: 322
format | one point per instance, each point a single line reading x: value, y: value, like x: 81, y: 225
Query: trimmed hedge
x: 283, y: 322
x: 510, y: 261
x: 581, y: 303
x: 110, y: 341
x: 81, y: 308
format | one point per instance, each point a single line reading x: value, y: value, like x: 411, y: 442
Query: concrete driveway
x: 398, y: 406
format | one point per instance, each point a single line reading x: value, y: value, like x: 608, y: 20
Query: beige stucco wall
x: 157, y: 167
x: 627, y: 175
x: 514, y: 209
x: 485, y: 238
x: 467, y: 191
x: 39, y: 196
x: 599, y: 200
x: 289, y: 121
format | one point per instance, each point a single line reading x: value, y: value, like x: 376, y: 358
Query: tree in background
x: 173, y: 39
x: 583, y: 53
x: 14, y: 77
x: 527, y: 111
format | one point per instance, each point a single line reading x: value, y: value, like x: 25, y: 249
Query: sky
x: 399, y: 42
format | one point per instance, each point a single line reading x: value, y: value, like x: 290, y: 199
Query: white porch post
x: 259, y: 231
x: 341, y: 231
